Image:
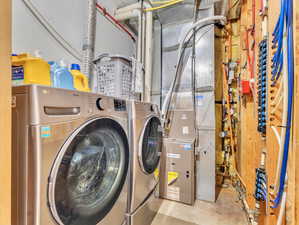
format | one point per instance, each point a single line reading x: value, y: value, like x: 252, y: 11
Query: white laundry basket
x: 114, y: 76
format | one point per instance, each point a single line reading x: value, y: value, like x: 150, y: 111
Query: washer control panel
x: 120, y: 105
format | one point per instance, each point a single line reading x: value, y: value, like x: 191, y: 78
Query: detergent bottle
x: 61, y: 76
x: 27, y: 69
x: 80, y: 80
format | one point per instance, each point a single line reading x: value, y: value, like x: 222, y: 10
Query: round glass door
x: 89, y: 173
x: 151, y: 146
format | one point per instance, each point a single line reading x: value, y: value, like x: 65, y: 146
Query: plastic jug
x: 61, y: 77
x: 80, y: 80
x: 27, y: 69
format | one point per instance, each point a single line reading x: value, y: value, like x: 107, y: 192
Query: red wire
x: 249, y: 61
x: 253, y: 36
x: 115, y: 21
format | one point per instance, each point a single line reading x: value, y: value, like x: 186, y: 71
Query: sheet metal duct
x: 205, y: 98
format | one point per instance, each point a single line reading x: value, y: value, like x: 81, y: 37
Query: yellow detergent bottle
x: 80, y: 80
x: 27, y: 69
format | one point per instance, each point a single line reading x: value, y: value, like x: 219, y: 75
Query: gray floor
x: 226, y: 211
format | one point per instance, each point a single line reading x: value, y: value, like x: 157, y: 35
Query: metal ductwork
x: 89, y: 45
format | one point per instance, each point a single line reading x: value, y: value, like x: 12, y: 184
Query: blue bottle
x: 61, y: 77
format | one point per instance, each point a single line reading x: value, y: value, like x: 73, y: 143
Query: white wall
x: 69, y: 17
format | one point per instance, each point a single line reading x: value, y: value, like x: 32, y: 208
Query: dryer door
x: 89, y: 173
x: 151, y: 145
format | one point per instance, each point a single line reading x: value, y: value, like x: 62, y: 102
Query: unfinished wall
x: 252, y: 143
x: 69, y: 18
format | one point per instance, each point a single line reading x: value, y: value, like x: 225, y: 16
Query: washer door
x: 151, y: 146
x: 89, y: 173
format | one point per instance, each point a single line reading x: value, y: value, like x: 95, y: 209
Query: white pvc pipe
x: 148, y: 57
x: 143, y: 46
x: 127, y: 15
x: 139, y: 42
x: 284, y: 116
x: 196, y: 24
x: 276, y: 135
x: 128, y: 8
x: 276, y: 106
x: 278, y: 94
x: 145, y: 43
x: 52, y: 31
x: 130, y: 12
x: 282, y: 208
x: 263, y: 160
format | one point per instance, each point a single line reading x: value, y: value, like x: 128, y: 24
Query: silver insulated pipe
x: 89, y: 44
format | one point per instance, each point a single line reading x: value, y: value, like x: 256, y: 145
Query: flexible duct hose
x: 198, y: 25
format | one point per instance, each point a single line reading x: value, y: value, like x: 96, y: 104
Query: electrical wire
x: 114, y: 21
x: 163, y: 6
x: 160, y: 2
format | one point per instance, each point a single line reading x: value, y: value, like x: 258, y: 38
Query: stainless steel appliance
x: 182, y: 125
x: 70, y: 158
x: 146, y: 140
x: 178, y: 169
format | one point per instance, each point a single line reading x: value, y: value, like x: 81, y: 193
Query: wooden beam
x: 5, y: 112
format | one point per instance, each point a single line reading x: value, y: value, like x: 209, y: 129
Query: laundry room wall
x: 69, y: 18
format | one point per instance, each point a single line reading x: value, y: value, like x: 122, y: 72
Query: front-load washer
x: 70, y: 158
x: 146, y: 140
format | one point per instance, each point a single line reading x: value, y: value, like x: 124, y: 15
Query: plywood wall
x: 251, y: 143
x: 5, y: 112
x: 293, y: 206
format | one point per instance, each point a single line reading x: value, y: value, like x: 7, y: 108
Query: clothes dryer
x: 146, y: 147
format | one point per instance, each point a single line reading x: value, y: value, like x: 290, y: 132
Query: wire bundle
x: 283, y: 27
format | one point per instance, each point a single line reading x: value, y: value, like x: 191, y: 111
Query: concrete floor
x: 226, y: 211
